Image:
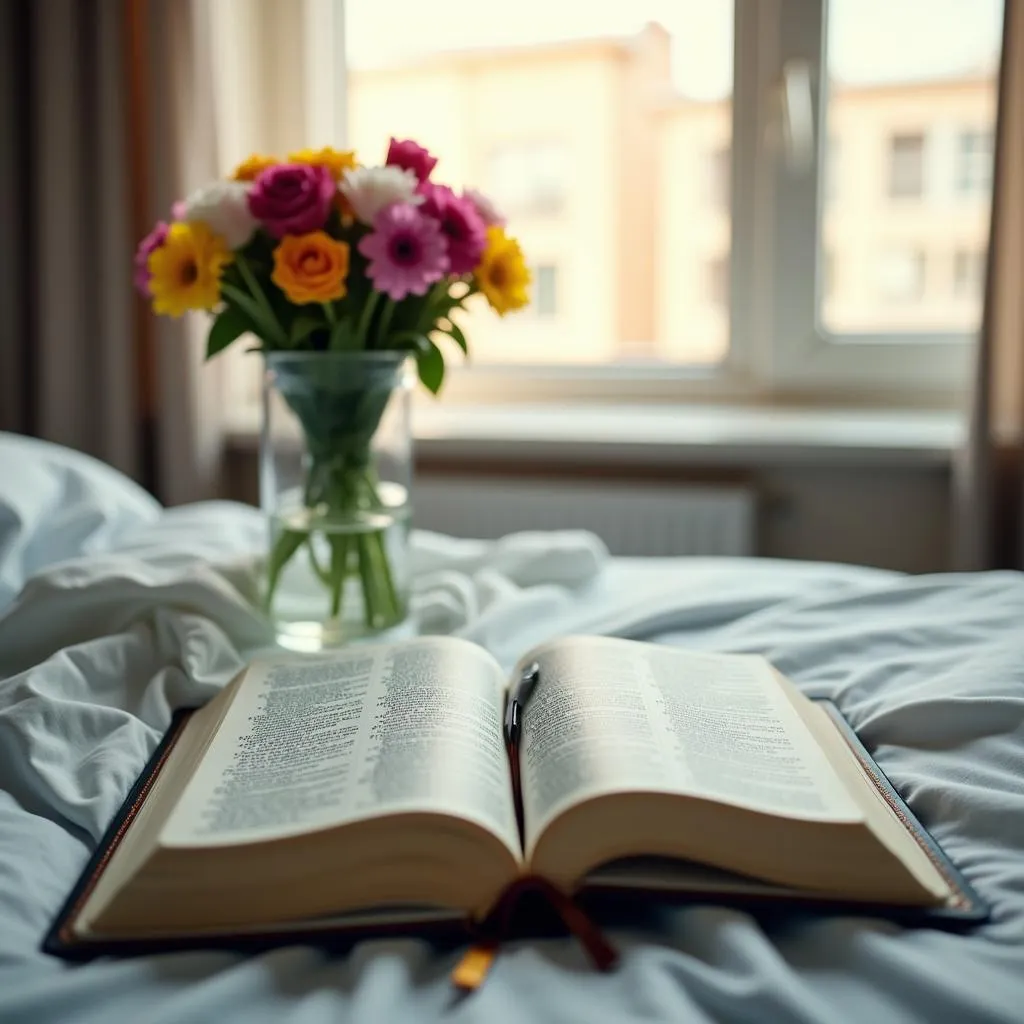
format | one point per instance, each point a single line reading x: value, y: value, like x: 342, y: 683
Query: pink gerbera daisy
x: 406, y: 250
x: 461, y: 224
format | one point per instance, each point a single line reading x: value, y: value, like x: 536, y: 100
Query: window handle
x: 797, y: 115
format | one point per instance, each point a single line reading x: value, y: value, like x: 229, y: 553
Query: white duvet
x: 113, y: 612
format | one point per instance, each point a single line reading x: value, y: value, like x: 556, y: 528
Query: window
x: 644, y: 144
x: 545, y: 289
x: 529, y: 179
x: 906, y: 166
x: 898, y: 102
x: 900, y: 275
x: 974, y: 163
x: 968, y: 273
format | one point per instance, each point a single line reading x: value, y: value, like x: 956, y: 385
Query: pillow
x: 55, y: 504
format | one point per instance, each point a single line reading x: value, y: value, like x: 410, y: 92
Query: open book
x: 377, y: 783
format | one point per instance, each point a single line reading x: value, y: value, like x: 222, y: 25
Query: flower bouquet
x: 340, y: 274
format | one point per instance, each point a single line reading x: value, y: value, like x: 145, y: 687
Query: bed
x: 113, y: 612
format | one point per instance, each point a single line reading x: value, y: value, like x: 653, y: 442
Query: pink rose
x: 411, y: 157
x: 461, y: 225
x: 147, y: 246
x: 292, y: 199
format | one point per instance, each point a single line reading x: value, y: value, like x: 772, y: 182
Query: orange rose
x: 311, y: 267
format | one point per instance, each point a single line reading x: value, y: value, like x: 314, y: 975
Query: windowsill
x: 717, y: 435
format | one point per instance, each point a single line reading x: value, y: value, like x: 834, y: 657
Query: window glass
x: 602, y: 130
x: 910, y: 110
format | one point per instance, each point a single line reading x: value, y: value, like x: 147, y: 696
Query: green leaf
x: 455, y: 332
x: 251, y: 309
x: 342, y: 336
x: 409, y: 339
x: 230, y: 324
x: 303, y: 327
x: 277, y: 332
x: 431, y: 367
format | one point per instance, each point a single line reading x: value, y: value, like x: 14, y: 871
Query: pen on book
x: 517, y: 699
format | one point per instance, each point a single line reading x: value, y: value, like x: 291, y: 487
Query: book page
x: 314, y: 742
x: 612, y: 716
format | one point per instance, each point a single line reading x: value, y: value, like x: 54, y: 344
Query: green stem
x: 346, y: 487
x: 369, y: 586
x: 382, y: 574
x: 385, y: 323
x: 322, y: 573
x: 260, y: 296
x: 339, y: 571
x: 284, y: 547
x: 386, y: 574
x: 332, y: 317
x: 365, y: 317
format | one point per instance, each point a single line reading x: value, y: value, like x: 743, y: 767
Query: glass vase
x: 335, y: 485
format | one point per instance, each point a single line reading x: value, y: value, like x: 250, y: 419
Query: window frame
x: 801, y: 354
x: 778, y: 350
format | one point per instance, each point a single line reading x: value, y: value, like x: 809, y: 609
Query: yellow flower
x: 185, y: 271
x: 250, y: 169
x: 502, y: 274
x: 311, y: 267
x: 336, y: 161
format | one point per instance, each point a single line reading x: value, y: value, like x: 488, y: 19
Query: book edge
x: 60, y: 940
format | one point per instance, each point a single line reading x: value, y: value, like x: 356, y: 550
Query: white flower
x: 487, y: 210
x: 369, y: 189
x: 224, y: 207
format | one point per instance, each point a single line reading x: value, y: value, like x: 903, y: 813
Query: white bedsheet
x: 114, y: 612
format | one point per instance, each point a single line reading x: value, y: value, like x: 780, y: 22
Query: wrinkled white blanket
x: 113, y: 612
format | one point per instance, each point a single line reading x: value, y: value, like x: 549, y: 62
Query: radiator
x: 631, y: 519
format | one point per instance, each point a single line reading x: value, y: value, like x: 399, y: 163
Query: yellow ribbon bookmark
x: 471, y: 970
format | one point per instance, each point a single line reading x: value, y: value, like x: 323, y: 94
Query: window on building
x: 901, y: 274
x: 545, y: 289
x: 974, y: 163
x: 530, y: 178
x: 906, y: 166
x: 968, y: 273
